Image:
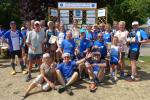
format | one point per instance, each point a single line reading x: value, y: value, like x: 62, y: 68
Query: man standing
x: 135, y: 39
x: 14, y: 39
x: 35, y: 40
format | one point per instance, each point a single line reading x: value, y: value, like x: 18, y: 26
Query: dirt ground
x: 12, y: 87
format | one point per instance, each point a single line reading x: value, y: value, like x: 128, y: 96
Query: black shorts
x: 17, y: 52
x: 133, y: 55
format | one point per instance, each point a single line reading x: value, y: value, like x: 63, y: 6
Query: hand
x: 119, y: 61
x: 76, y: 52
x: 52, y: 85
x: 89, y: 55
x: 33, y: 48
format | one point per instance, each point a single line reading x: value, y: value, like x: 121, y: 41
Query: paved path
x: 145, y: 50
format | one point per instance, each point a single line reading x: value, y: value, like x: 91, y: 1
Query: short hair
x: 49, y: 23
x: 122, y: 23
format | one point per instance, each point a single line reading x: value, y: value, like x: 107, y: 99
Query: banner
x: 76, y: 5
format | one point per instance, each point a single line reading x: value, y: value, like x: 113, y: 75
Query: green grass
x: 146, y: 59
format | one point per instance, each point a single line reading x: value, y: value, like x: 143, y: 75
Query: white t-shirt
x: 36, y: 39
x: 15, y: 40
x: 122, y: 36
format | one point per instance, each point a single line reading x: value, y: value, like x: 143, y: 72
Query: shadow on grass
x: 78, y: 85
x: 143, y: 74
x: 4, y: 65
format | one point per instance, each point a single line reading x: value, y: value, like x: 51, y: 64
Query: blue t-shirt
x: 107, y: 38
x: 84, y: 44
x: 68, y: 46
x: 2, y: 31
x: 67, y: 69
x: 89, y: 35
x: 114, y: 54
x: 14, y: 40
x: 95, y: 35
x: 139, y: 35
x: 103, y: 49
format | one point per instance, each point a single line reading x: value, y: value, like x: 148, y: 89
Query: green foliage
x: 9, y: 10
x: 129, y: 10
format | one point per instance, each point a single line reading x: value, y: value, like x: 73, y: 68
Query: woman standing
x: 122, y: 34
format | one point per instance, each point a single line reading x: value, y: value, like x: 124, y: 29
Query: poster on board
x: 90, y: 20
x: 101, y: 12
x: 54, y: 12
x: 64, y: 13
x: 91, y: 13
x: 77, y: 13
x: 64, y: 20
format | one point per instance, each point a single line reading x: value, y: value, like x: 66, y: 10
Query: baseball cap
x: 36, y: 22
x: 66, y: 54
x: 12, y: 22
x: 46, y: 55
x: 82, y: 31
x: 135, y: 23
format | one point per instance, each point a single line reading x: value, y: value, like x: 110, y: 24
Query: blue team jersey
x: 84, y: 44
x: 103, y: 49
x: 114, y: 54
x: 14, y: 40
x: 95, y: 35
x: 89, y: 35
x: 68, y: 46
x: 67, y: 69
x: 107, y: 38
x: 2, y: 31
x: 139, y: 35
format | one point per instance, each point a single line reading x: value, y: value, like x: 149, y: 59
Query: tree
x: 33, y: 9
x: 9, y: 11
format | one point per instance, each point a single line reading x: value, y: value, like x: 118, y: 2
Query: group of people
x: 66, y: 56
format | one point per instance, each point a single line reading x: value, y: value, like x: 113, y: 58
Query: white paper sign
x: 54, y: 12
x: 90, y: 13
x: 101, y: 12
x: 64, y: 20
x: 90, y: 20
x: 64, y: 13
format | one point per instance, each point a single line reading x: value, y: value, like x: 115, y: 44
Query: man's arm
x: 84, y: 59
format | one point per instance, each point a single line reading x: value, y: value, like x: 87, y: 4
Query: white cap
x: 36, y: 22
x: 135, y: 23
x: 46, y: 55
x: 66, y: 54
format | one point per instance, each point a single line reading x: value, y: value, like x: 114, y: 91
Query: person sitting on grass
x: 115, y: 56
x: 95, y: 67
x: 47, y: 78
x: 67, y: 72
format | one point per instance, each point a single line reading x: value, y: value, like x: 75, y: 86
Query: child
x: 115, y: 56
